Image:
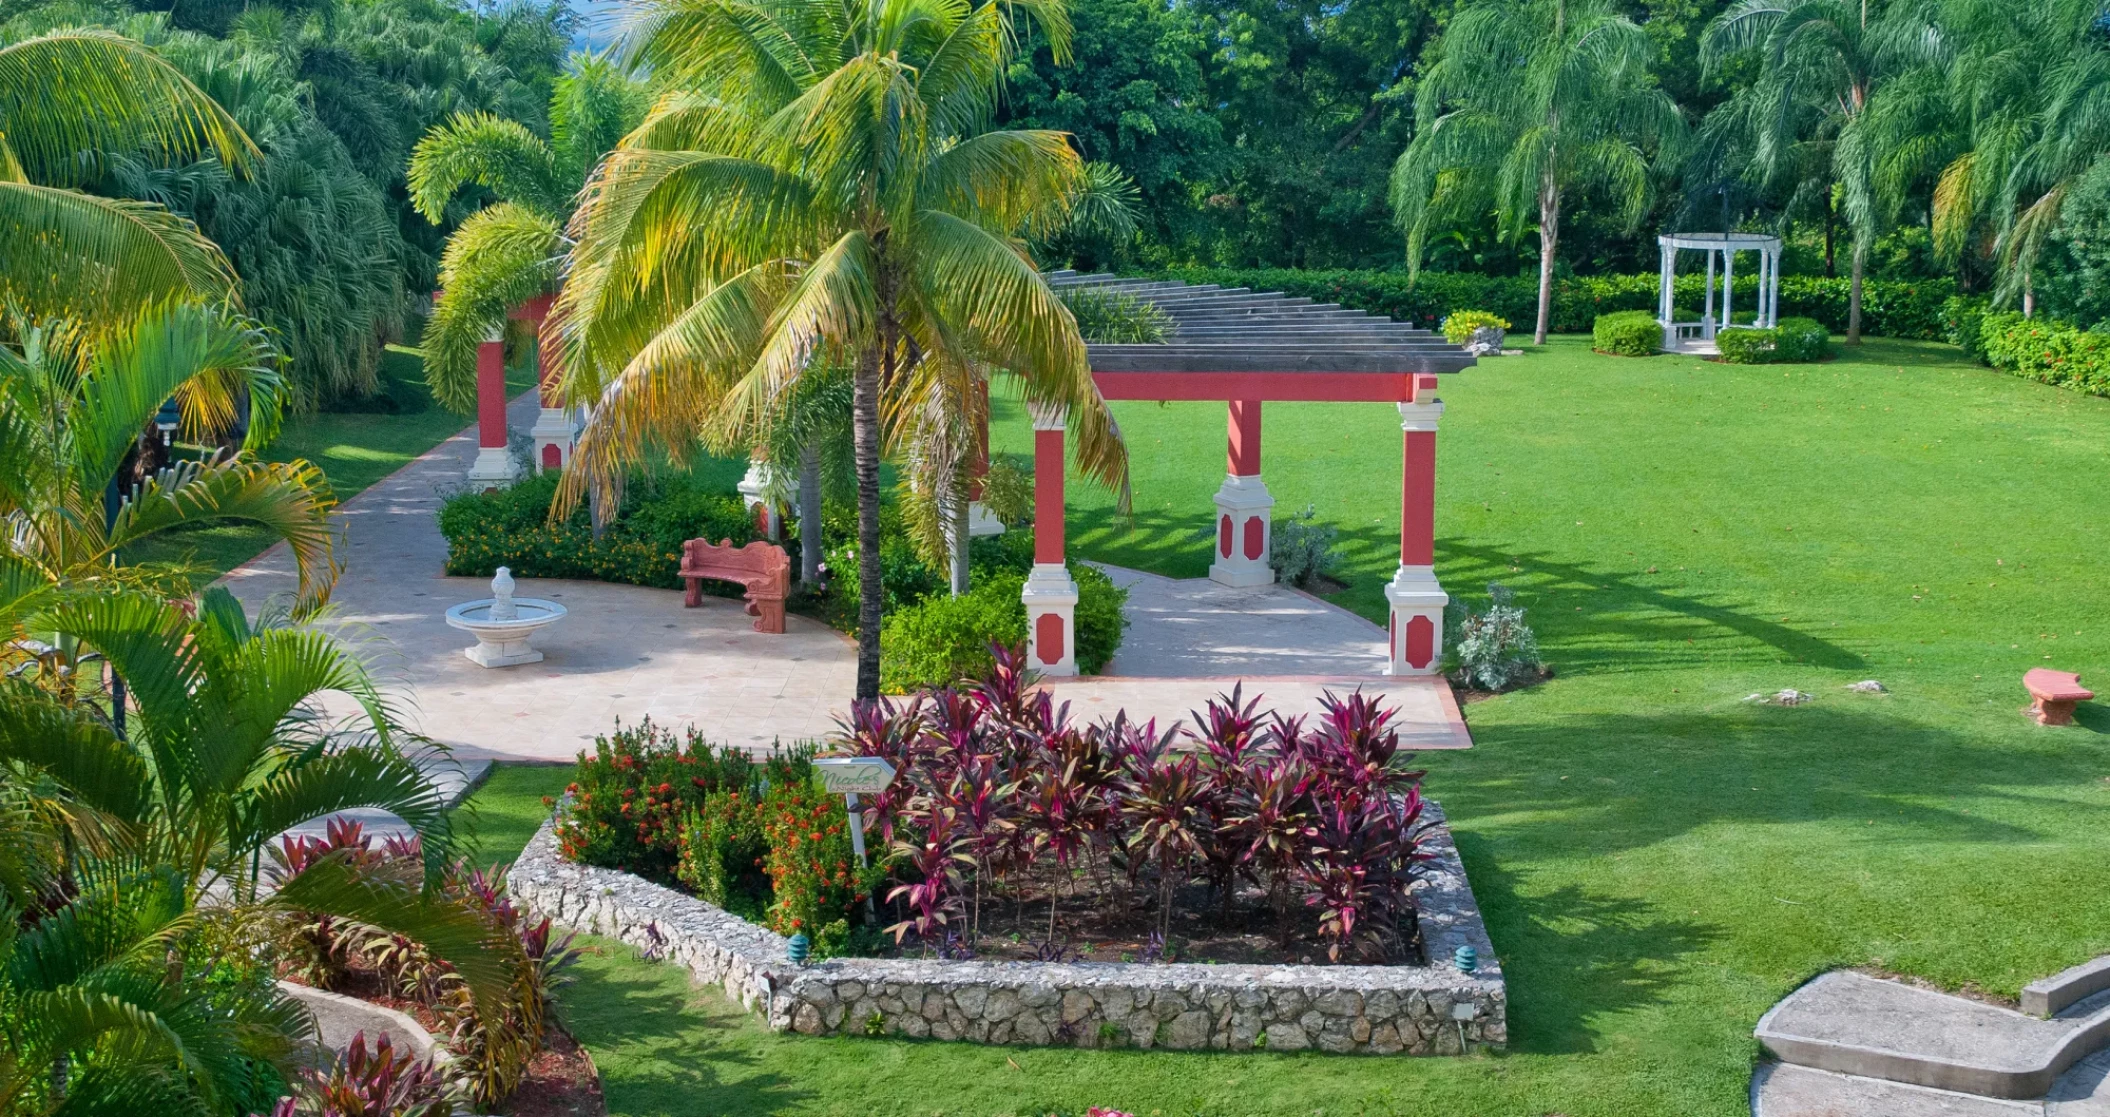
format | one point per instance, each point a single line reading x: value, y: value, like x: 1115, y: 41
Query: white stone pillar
x: 1414, y: 643
x: 555, y: 432
x: 754, y: 493
x: 1050, y: 595
x: 1244, y: 523
x: 1728, y: 283
x: 1707, y: 315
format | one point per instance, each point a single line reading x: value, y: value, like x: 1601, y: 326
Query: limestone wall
x: 1420, y: 1010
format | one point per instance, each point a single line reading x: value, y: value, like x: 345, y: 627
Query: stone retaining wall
x: 1420, y: 1010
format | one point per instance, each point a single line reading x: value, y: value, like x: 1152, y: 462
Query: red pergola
x: 1246, y: 348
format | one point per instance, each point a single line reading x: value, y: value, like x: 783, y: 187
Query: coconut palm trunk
x: 809, y: 513
x: 1549, y: 242
x: 1853, y: 292
x: 864, y: 427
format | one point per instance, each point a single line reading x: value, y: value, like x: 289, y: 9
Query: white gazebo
x: 1698, y: 337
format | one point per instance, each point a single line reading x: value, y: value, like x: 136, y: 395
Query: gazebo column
x: 754, y: 493
x: 493, y: 465
x: 1415, y: 634
x: 554, y: 432
x: 1050, y: 595
x: 1244, y: 533
x: 979, y: 521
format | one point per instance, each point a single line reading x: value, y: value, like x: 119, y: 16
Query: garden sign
x: 850, y: 776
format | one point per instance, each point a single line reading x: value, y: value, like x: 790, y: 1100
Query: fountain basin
x: 503, y: 623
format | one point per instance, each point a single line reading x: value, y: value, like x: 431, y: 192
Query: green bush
x: 1961, y: 319
x: 1303, y: 549
x: 1747, y: 345
x: 1458, y: 325
x: 1100, y: 620
x: 722, y: 852
x: 1801, y: 340
x: 627, y: 799
x: 1890, y: 308
x: 2048, y: 350
x: 1114, y: 318
x: 942, y: 639
x: 511, y: 527
x: 1627, y: 333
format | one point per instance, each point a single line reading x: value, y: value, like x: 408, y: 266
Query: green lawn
x: 1658, y: 861
x: 354, y: 449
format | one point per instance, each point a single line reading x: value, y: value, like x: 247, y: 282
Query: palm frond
x: 75, y: 91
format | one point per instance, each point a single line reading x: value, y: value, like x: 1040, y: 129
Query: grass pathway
x: 1658, y: 861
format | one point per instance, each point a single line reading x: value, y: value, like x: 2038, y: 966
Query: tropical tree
x: 508, y: 251
x: 73, y: 404
x: 819, y: 186
x: 1821, y: 64
x: 66, y: 99
x: 1526, y: 109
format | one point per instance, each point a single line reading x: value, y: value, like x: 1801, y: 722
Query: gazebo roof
x: 1234, y: 343
x: 1716, y: 241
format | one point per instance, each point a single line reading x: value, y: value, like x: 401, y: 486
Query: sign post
x: 850, y: 775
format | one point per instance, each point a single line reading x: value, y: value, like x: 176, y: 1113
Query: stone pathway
x: 624, y: 651
x: 1191, y: 639
x: 1851, y: 1045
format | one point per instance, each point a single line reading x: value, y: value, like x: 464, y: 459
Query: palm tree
x: 71, y: 94
x: 1526, y: 108
x: 72, y: 406
x: 1822, y: 62
x: 507, y: 252
x: 819, y: 185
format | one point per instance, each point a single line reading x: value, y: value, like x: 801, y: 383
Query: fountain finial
x: 502, y: 608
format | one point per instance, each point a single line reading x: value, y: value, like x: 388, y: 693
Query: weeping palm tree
x: 508, y: 251
x: 819, y: 186
x: 72, y: 406
x: 66, y: 99
x: 1525, y: 110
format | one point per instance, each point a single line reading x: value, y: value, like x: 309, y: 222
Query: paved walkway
x: 623, y: 651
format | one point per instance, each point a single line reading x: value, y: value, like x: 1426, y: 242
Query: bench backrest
x: 765, y: 562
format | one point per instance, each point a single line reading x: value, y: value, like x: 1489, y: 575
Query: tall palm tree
x: 508, y: 251
x: 67, y: 98
x: 1822, y: 63
x: 1526, y: 109
x: 819, y: 185
x: 72, y: 406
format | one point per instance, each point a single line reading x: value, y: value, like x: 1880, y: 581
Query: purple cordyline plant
x: 1271, y: 826
x: 981, y: 802
x: 1163, y: 809
x: 1233, y: 746
x: 892, y: 732
x: 1359, y: 870
x: 934, y: 859
x: 1352, y: 745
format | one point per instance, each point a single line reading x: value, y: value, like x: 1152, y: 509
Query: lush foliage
x: 1495, y: 649
x: 1458, y: 325
x: 1302, y: 550
x: 2047, y: 350
x: 1116, y: 318
x: 1793, y: 341
x: 1627, y: 333
x: 625, y: 806
x: 936, y: 639
x: 511, y: 527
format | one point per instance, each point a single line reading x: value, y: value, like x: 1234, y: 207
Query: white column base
x: 502, y: 653
x: 753, y: 489
x: 980, y: 522
x: 1415, y: 646
x: 494, y: 465
x: 1245, y: 533
x: 554, y: 433
x: 1050, y: 598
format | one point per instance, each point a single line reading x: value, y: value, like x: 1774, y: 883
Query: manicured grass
x: 1658, y: 860
x: 507, y: 810
x: 354, y: 449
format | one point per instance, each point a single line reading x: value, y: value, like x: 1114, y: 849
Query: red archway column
x: 1244, y: 528
x: 1417, y: 599
x: 555, y: 432
x: 1050, y: 596
x: 493, y: 465
x: 979, y: 520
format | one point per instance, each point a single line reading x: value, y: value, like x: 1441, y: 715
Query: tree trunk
x: 864, y: 413
x: 1830, y: 223
x: 1549, y: 240
x: 956, y: 533
x: 809, y: 514
x: 1853, y: 293
x: 2029, y: 297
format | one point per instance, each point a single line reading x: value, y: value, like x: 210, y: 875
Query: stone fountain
x: 502, y: 624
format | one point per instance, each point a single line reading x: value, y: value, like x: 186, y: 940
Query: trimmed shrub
x: 1627, y: 333
x: 2048, y: 351
x: 511, y: 527
x: 1747, y: 345
x: 1302, y: 549
x: 1800, y: 340
x: 722, y: 851
x: 1890, y: 308
x: 1100, y: 621
x: 1458, y: 325
x: 943, y: 639
x: 627, y: 799
x: 1961, y: 319
x: 1496, y: 650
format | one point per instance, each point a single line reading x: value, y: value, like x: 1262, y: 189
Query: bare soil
x: 561, y: 1082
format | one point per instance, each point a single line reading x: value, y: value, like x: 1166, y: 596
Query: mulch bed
x: 1469, y: 694
x: 561, y: 1082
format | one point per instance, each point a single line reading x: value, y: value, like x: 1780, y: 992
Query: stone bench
x: 763, y: 569
x: 2053, y: 694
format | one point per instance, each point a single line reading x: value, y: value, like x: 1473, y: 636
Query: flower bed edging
x: 1417, y: 1010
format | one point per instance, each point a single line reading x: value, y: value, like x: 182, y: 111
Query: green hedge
x: 1891, y: 308
x: 1627, y: 333
x: 1794, y: 341
x: 511, y: 527
x: 2047, y: 350
x: 941, y: 639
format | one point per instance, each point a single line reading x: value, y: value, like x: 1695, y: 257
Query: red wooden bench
x: 2053, y: 694
x: 763, y: 568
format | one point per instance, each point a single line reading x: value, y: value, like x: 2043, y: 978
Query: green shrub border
x: 1627, y: 333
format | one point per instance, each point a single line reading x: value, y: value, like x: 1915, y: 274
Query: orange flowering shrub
x: 813, y: 875
x: 624, y: 806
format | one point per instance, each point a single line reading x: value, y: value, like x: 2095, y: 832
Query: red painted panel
x: 552, y: 456
x: 1255, y: 537
x: 1421, y: 642
x: 1337, y: 387
x: 1244, y: 457
x: 1223, y: 537
x: 1047, y: 496
x: 1417, y: 499
x: 491, y: 393
x: 1047, y: 638
x: 762, y: 519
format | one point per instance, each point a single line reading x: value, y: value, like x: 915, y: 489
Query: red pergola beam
x: 1323, y: 387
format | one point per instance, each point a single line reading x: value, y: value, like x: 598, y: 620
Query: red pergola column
x: 554, y: 432
x: 754, y: 492
x: 1417, y: 599
x: 1244, y: 527
x: 1050, y: 596
x: 493, y: 466
x: 979, y: 520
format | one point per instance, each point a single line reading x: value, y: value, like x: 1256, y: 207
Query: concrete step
x: 1850, y: 1023
x: 1787, y: 1090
